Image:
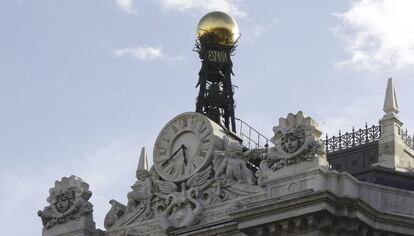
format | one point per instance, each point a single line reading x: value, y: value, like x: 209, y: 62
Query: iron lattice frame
x: 408, y: 139
x: 215, y: 97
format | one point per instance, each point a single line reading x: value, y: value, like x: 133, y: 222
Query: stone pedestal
x: 319, y: 162
x: 389, y: 142
x: 85, y: 226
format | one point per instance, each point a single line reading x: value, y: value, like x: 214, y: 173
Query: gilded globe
x: 218, y: 27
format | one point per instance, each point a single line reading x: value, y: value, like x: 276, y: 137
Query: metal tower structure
x: 215, y: 44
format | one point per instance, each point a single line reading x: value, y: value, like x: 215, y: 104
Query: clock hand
x: 184, y: 154
x: 168, y: 160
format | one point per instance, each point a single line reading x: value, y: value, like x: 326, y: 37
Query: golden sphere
x: 218, y: 26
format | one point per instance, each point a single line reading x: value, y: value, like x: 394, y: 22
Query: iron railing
x: 252, y: 139
x: 407, y: 139
x: 353, y: 139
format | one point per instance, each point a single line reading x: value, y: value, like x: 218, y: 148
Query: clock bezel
x: 167, y: 137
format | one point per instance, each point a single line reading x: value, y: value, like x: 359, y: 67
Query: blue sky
x: 85, y: 84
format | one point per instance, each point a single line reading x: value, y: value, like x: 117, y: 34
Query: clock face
x: 184, y: 146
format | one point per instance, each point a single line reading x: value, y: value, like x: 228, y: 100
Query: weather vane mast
x: 217, y: 35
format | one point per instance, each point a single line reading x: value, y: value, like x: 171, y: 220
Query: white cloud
x: 146, y: 53
x: 251, y: 33
x: 228, y: 6
x: 127, y: 6
x: 260, y: 29
x: 378, y: 33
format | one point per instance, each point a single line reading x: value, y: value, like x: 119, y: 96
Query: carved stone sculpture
x: 177, y: 204
x: 232, y: 167
x: 143, y: 200
x: 183, y: 211
x: 68, y: 201
x: 143, y: 187
x: 116, y: 211
x: 297, y: 140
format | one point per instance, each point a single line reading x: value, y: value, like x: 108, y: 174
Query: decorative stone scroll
x: 184, y: 210
x: 297, y: 140
x: 68, y: 202
x: 116, y: 211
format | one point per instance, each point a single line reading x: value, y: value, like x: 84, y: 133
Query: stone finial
x: 143, y: 161
x: 393, y: 152
x: 390, y: 102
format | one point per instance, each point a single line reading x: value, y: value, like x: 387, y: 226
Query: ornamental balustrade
x: 353, y: 139
x: 369, y: 134
x: 408, y: 139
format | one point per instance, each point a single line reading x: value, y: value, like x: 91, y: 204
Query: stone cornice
x: 320, y: 205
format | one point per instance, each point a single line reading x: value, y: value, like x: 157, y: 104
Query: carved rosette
x: 68, y: 201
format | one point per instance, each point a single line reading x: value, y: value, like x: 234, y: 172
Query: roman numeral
x: 166, y: 136
x: 183, y: 170
x: 204, y: 148
x: 199, y: 125
x: 205, y: 135
x: 163, y: 152
x: 166, y: 164
x: 184, y: 122
x: 171, y: 170
x: 195, y: 123
x: 174, y: 129
x: 190, y: 122
x: 197, y: 162
x: 163, y: 145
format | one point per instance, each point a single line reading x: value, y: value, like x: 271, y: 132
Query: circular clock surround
x: 186, y: 145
